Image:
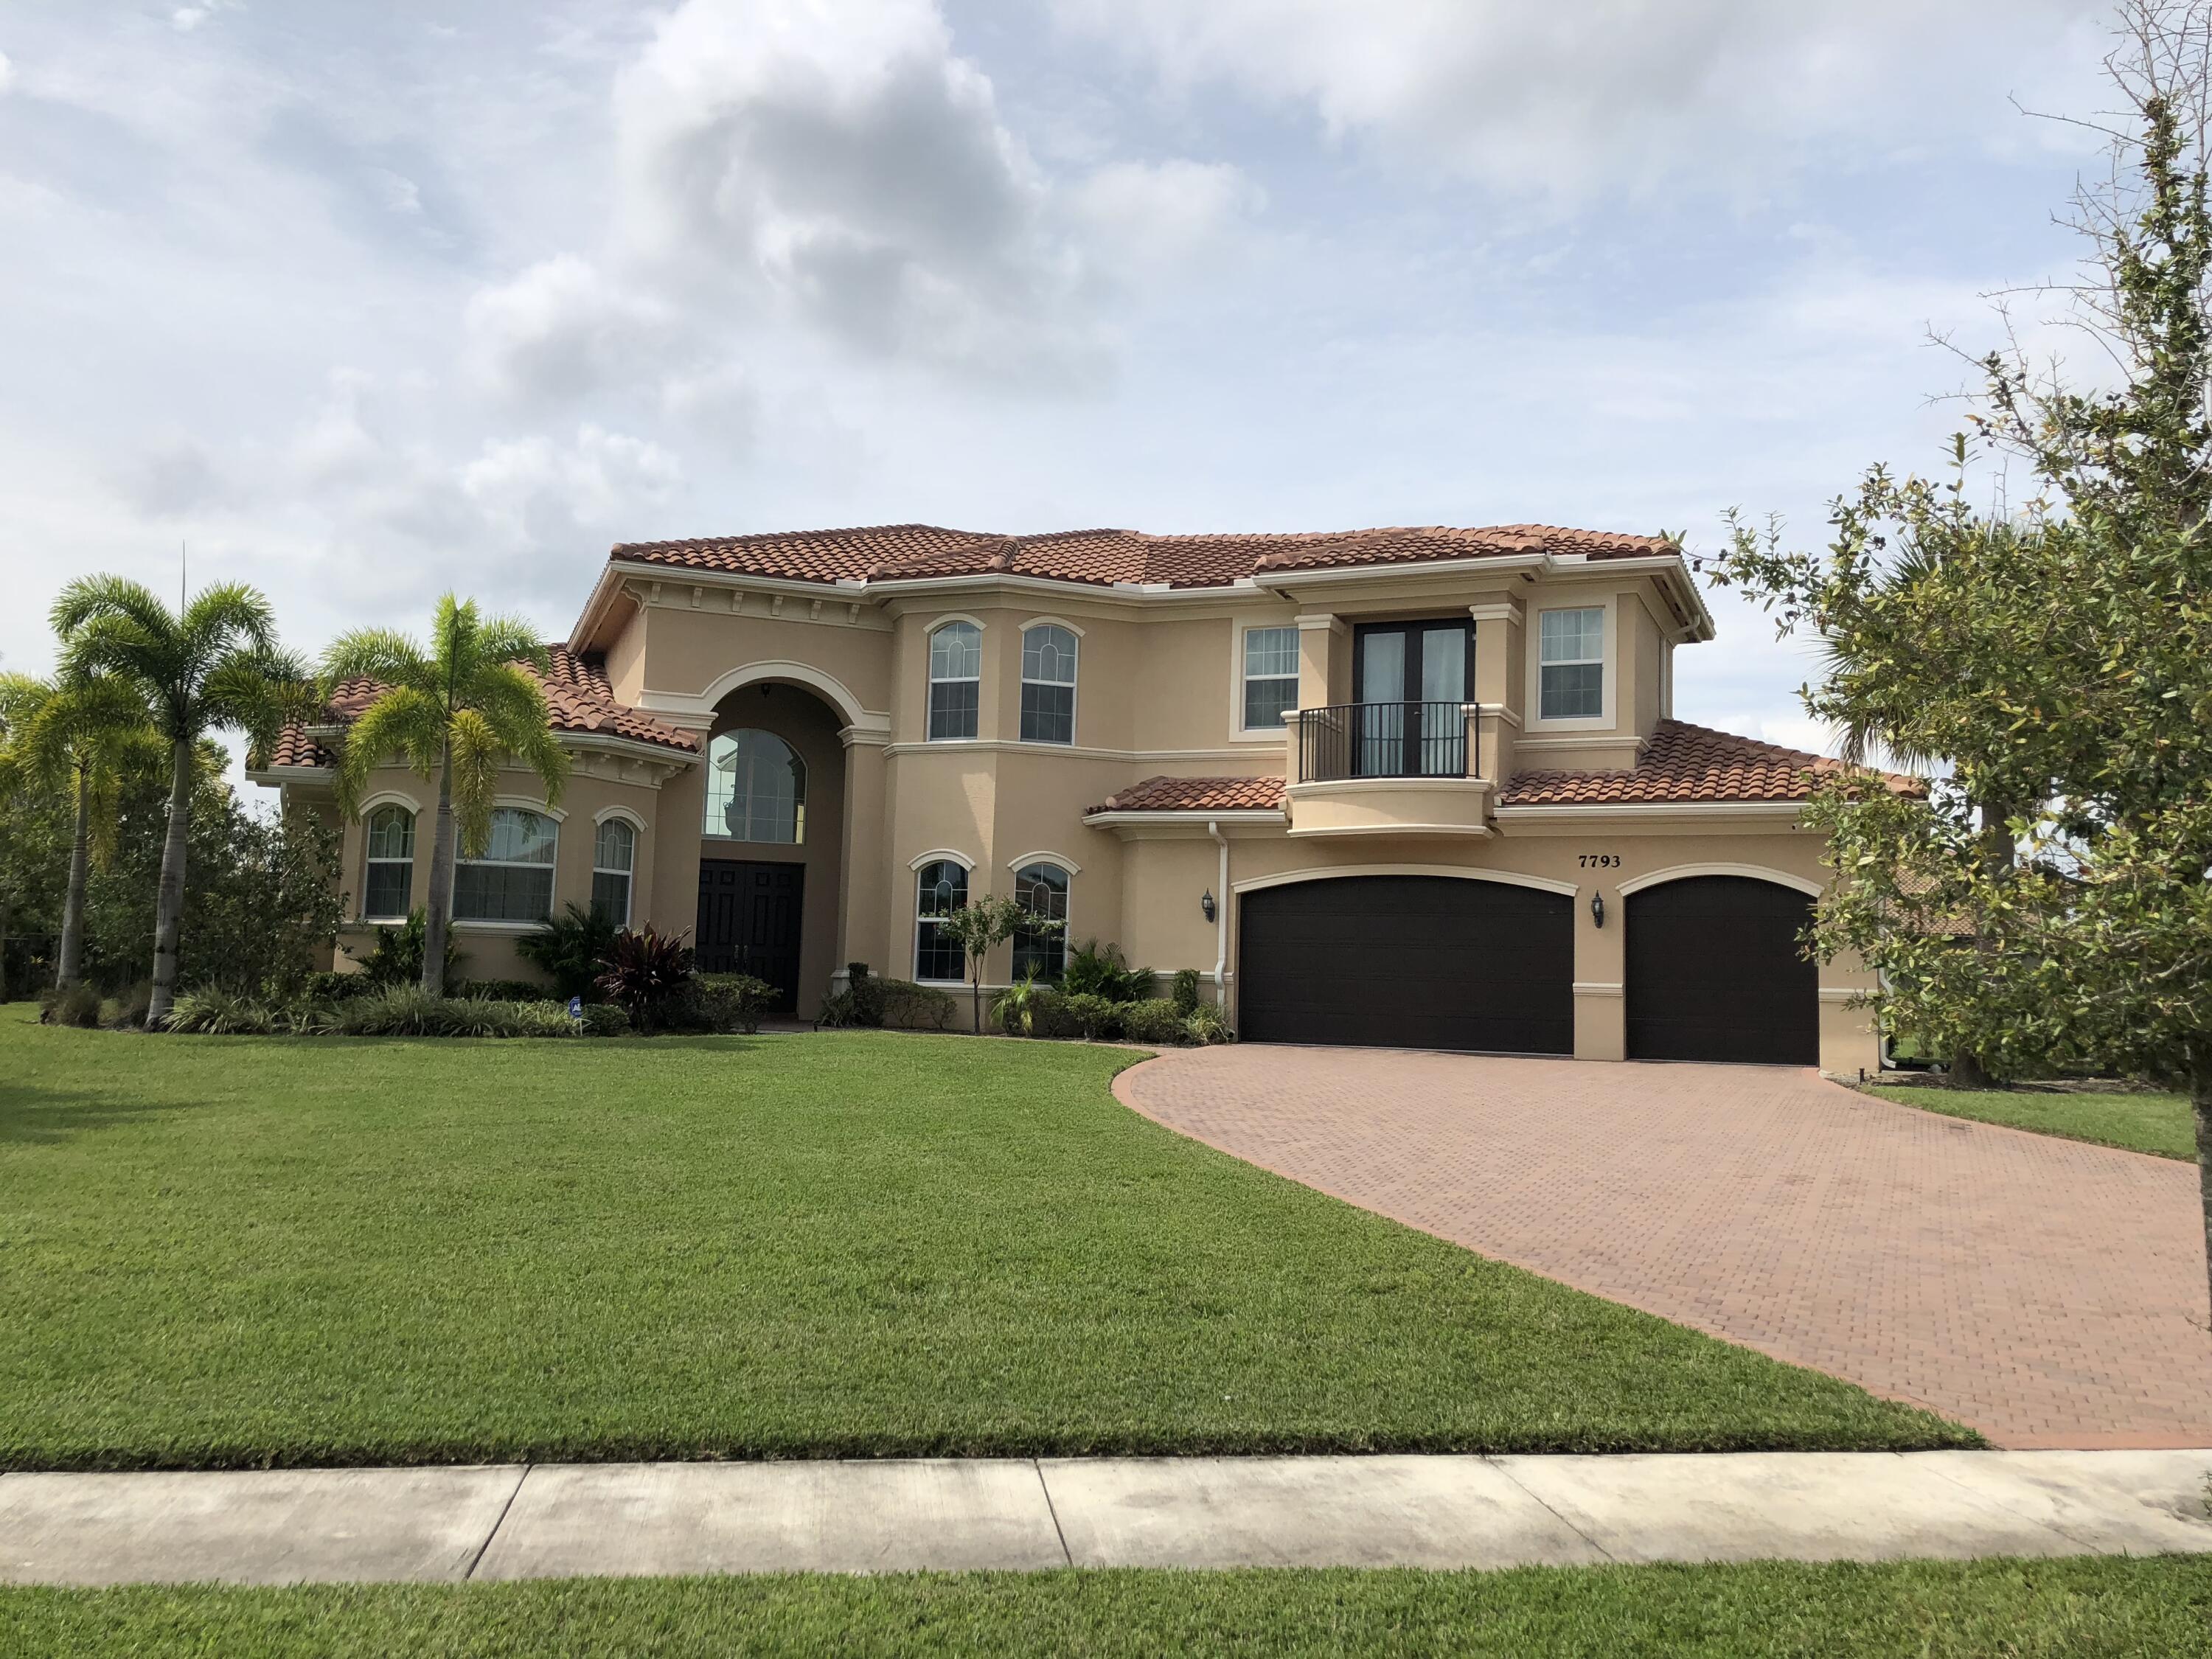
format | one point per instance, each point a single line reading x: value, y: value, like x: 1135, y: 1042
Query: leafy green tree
x: 456, y: 713
x: 2051, y: 897
x: 981, y: 926
x: 81, y: 740
x: 213, y: 664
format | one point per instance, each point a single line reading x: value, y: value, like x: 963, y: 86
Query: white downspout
x: 1221, y: 923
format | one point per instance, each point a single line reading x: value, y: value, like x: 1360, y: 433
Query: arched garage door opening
x: 1716, y: 970
x: 1407, y: 962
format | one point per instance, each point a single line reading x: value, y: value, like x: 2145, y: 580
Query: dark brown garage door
x: 1407, y: 962
x: 1716, y: 972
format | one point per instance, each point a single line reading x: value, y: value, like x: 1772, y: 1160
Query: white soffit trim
x: 1459, y: 871
x: 1749, y: 871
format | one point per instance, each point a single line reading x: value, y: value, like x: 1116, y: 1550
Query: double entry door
x: 749, y: 916
x: 1412, y: 680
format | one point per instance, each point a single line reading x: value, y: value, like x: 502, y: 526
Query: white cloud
x: 536, y: 492
x: 186, y: 18
x: 7, y: 73
x: 1163, y: 215
x: 560, y: 328
x: 1564, y: 100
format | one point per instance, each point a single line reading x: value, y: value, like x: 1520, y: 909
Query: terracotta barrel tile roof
x: 1686, y: 762
x: 1166, y: 794
x: 1102, y: 557
x: 577, y: 698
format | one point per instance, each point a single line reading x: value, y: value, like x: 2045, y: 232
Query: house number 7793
x: 1600, y: 861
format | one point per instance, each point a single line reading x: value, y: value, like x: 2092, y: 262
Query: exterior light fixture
x: 1206, y: 904
x: 1597, y: 908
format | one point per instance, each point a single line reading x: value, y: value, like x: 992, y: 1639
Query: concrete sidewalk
x: 440, y: 1525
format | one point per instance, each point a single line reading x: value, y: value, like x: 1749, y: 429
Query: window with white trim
x: 389, y: 881
x: 956, y: 680
x: 1041, y: 892
x: 1570, y: 683
x: 1048, y: 684
x: 756, y: 788
x: 940, y: 887
x: 512, y: 880
x: 614, y: 854
x: 1271, y: 675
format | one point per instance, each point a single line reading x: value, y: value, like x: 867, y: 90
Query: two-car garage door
x: 1713, y: 967
x: 1408, y: 962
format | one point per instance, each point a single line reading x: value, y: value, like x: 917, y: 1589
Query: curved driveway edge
x: 2049, y: 1293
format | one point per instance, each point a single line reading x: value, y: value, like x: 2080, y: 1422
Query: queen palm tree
x: 456, y: 713
x: 83, y: 737
x: 214, y: 664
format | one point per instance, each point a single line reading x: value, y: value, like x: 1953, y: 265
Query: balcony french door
x: 1411, y: 679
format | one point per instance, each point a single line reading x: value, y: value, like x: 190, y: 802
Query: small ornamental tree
x: 981, y: 926
x: 2051, y: 897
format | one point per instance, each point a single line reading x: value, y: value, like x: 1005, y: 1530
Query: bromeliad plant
x: 454, y: 712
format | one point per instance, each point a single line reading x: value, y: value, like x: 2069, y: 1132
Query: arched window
x: 956, y: 680
x: 389, y: 883
x: 1048, y: 684
x: 614, y: 852
x: 939, y: 888
x: 756, y: 788
x: 1041, y: 890
x: 513, y: 881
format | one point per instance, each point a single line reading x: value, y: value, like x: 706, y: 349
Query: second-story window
x: 1048, y: 684
x: 1572, y: 683
x: 1271, y: 675
x: 956, y: 676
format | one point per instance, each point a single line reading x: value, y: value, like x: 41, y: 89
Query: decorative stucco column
x: 1500, y: 673
x: 865, y: 919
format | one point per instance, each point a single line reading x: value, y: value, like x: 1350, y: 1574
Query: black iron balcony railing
x: 1382, y: 740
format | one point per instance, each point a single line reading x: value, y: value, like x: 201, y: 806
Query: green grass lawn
x: 2155, y: 1608
x: 236, y: 1251
x: 2156, y: 1123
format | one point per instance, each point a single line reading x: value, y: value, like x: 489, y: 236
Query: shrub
x: 508, y: 990
x: 867, y: 994
x: 336, y: 987
x: 397, y: 957
x: 1015, y: 1008
x: 1205, y: 1025
x: 911, y: 1007
x: 1091, y: 1016
x: 649, y: 973
x: 839, y: 1013
x: 1154, y: 1020
x: 212, y: 1012
x: 78, y: 1005
x: 128, y: 1011
x: 572, y: 949
x: 730, y: 1002
x: 1185, y: 994
x: 405, y: 1011
x: 603, y: 1019
x: 1101, y: 970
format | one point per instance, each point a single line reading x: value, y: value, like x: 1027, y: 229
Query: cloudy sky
x: 364, y: 300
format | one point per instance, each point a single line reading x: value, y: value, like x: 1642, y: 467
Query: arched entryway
x: 771, y: 840
x: 1716, y: 970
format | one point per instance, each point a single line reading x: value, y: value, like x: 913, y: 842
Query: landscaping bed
x: 2081, y: 1608
x: 224, y: 1251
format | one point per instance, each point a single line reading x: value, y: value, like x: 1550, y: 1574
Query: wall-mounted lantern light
x: 1206, y: 904
x: 1597, y: 908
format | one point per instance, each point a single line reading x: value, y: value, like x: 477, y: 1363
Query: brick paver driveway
x: 2048, y: 1292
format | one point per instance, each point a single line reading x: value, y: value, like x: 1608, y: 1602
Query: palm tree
x: 82, y: 737
x: 455, y: 712
x: 214, y: 664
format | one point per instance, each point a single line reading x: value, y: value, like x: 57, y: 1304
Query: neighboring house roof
x: 1685, y: 763
x: 899, y: 552
x: 1681, y: 762
x: 1165, y: 795
x: 578, y: 700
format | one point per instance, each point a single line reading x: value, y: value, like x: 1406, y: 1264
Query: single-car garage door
x: 1715, y: 971
x: 1407, y: 962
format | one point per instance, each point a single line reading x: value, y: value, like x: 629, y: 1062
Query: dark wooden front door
x: 749, y: 922
x: 1407, y: 962
x: 1715, y: 971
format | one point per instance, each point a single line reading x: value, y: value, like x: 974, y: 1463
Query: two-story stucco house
x: 1412, y: 787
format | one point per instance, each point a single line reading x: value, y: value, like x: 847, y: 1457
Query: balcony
x: 1398, y: 768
